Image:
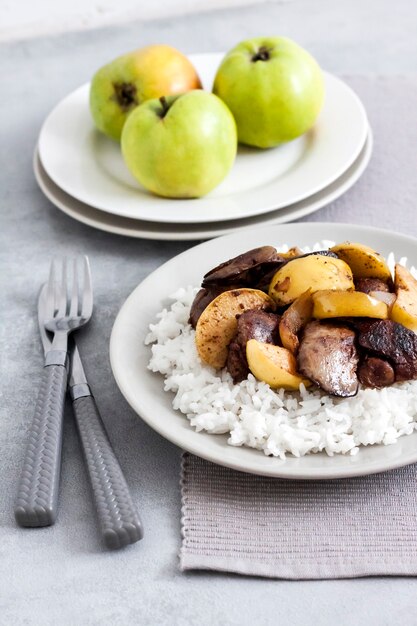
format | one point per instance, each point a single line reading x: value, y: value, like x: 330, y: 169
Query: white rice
x: 277, y: 422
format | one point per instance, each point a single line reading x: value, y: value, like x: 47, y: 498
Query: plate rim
x: 280, y: 472
x: 268, y: 205
x: 286, y: 214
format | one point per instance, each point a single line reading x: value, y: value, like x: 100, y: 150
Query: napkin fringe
x: 292, y: 570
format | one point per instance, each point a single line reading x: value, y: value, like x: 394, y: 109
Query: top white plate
x: 89, y: 166
x: 144, y: 390
x: 174, y: 232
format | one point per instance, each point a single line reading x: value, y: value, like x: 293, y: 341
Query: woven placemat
x: 298, y: 529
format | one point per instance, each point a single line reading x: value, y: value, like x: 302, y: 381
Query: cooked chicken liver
x: 393, y: 341
x: 328, y: 357
x: 376, y: 372
x: 253, y: 324
x: 245, y: 270
x: 366, y: 285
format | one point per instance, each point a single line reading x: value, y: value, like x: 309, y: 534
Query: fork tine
x: 62, y: 290
x: 87, y: 291
x: 65, y: 294
x: 74, y: 290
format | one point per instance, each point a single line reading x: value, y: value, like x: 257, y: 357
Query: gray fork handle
x: 37, y: 496
x: 119, y: 521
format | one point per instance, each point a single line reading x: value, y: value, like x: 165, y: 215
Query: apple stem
x: 262, y: 54
x: 165, y: 106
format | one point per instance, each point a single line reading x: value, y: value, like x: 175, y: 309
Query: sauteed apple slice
x: 217, y: 324
x: 273, y: 365
x: 363, y: 260
x: 332, y: 303
x: 315, y: 271
x: 294, y: 318
x: 404, y: 309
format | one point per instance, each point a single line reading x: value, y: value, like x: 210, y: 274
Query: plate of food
x: 131, y: 179
x: 285, y: 351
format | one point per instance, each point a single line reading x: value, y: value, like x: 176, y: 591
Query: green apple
x: 180, y: 146
x: 147, y: 73
x: 274, y: 89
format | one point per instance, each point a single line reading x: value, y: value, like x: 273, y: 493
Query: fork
x: 68, y: 307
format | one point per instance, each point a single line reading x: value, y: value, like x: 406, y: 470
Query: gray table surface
x: 61, y: 575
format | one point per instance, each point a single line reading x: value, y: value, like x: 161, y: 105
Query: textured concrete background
x: 27, y: 19
x: 61, y: 575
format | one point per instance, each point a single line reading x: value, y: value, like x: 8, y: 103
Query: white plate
x: 89, y: 166
x: 144, y: 390
x: 154, y: 230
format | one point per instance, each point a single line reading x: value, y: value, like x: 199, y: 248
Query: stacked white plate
x: 83, y: 173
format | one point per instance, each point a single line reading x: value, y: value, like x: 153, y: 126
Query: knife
x: 119, y: 521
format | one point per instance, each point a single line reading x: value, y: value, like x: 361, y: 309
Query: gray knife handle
x: 37, y: 496
x: 119, y: 522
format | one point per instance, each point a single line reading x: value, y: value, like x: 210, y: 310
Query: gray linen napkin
x: 260, y: 526
x: 332, y: 529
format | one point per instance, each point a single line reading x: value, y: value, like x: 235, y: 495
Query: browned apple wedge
x: 217, y: 324
x: 274, y: 365
x: 315, y: 271
x: 294, y: 319
x: 363, y: 260
x: 333, y: 303
x: 404, y: 309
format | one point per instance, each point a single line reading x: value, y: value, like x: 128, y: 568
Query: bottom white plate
x: 144, y: 390
x: 155, y: 230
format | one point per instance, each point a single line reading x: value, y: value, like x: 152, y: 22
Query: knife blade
x: 119, y: 521
x: 46, y: 337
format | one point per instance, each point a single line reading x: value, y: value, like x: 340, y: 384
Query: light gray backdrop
x: 61, y: 575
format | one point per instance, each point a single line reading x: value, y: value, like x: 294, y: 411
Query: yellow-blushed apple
x: 274, y: 89
x: 150, y: 72
x: 180, y: 146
